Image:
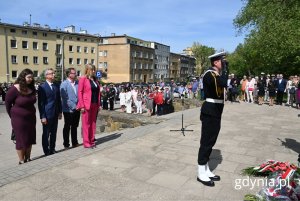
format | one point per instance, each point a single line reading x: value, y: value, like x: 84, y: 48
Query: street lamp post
x: 63, y: 58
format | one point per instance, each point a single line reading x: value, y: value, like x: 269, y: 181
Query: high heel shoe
x: 27, y: 160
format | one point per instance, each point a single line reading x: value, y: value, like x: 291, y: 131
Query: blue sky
x: 177, y: 23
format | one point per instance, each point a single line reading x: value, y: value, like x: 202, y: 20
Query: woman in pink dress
x: 88, y: 104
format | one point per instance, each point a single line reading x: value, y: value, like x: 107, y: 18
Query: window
x: 85, y: 39
x: 13, y: 59
x: 45, y: 46
x: 100, y: 64
x: 93, y: 61
x: 78, y: 61
x: 13, y: 43
x: 35, y: 60
x: 86, y: 50
x: 45, y: 34
x: 92, y: 50
x: 78, y: 73
x: 58, y: 36
x: 24, y: 32
x: 71, y: 48
x: 45, y: 60
x: 34, y: 33
x: 70, y: 60
x: 105, y: 64
x: 58, y: 48
x: 25, y: 59
x: 14, y: 74
x: 92, y: 40
x: 70, y: 38
x: 13, y: 30
x: 78, y: 49
x: 78, y: 39
x: 85, y: 61
x: 35, y: 45
x: 35, y: 73
x: 103, y: 53
x: 25, y: 44
x: 58, y: 61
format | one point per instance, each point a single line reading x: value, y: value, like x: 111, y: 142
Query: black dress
x: 21, y: 110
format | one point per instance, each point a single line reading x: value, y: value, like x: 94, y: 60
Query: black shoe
x: 52, y: 152
x: 215, y: 178
x: 206, y: 183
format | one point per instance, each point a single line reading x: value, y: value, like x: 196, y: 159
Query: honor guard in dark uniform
x: 214, y: 82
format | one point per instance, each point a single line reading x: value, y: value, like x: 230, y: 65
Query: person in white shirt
x: 128, y: 100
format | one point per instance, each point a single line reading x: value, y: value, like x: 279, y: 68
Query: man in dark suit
x: 50, y: 109
x: 281, y: 86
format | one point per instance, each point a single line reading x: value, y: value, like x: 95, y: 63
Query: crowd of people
x: 86, y: 96
x: 262, y: 89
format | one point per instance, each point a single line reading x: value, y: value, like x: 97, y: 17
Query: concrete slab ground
x: 152, y: 163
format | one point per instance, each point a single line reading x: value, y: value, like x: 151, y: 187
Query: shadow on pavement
x: 98, y: 141
x: 108, y: 138
x: 293, y: 145
x: 215, y: 159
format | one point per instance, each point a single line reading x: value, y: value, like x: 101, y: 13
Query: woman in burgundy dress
x: 20, y: 107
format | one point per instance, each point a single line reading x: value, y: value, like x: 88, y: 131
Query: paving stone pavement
x: 152, y: 163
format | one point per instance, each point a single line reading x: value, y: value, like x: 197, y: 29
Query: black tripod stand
x: 182, y: 128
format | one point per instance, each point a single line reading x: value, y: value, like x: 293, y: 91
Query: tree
x: 273, y: 34
x: 201, y: 53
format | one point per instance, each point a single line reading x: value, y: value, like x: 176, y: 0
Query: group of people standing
x: 70, y: 99
x: 265, y: 89
x: 154, y: 99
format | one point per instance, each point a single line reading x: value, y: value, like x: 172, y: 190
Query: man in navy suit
x: 281, y: 86
x: 49, y: 104
x: 68, y: 92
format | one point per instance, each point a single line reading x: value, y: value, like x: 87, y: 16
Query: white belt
x: 210, y: 100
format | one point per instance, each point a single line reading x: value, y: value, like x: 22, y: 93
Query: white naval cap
x: 217, y: 56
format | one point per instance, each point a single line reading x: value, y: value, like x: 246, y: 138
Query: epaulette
x: 213, y: 71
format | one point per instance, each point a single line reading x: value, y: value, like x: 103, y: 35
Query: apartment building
x: 39, y: 47
x: 182, y: 67
x: 126, y: 59
x: 187, y: 67
x: 175, y: 66
x: 161, y: 62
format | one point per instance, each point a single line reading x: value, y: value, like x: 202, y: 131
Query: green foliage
x: 201, y: 53
x: 273, y: 32
x: 250, y: 197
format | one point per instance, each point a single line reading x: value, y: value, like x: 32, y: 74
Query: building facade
x: 40, y: 47
x: 161, y: 61
x: 175, y: 66
x: 125, y: 59
x: 182, y: 67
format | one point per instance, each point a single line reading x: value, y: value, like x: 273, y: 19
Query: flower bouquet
x: 282, y: 181
x: 269, y: 167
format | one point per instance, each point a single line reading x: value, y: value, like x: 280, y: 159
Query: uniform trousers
x: 89, y: 125
x: 209, y: 133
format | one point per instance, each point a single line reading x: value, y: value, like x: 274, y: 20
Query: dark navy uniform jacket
x: 213, y: 86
